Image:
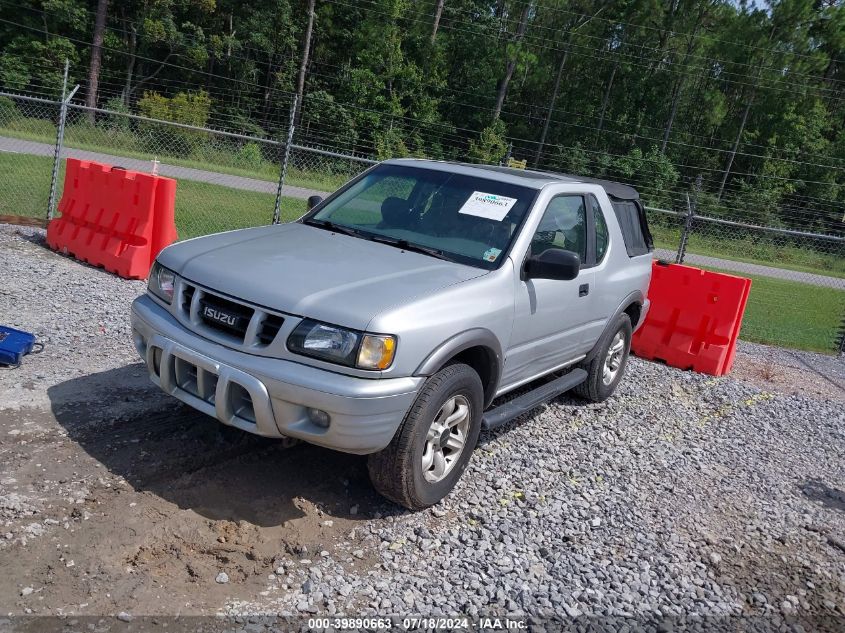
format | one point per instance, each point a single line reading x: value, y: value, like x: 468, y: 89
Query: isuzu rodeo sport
x: 388, y: 319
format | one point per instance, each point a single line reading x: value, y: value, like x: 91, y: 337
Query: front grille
x: 269, y: 328
x: 187, y: 296
x: 225, y: 320
x: 224, y: 315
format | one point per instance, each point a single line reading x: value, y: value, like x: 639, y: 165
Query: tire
x: 595, y: 389
x: 397, y: 472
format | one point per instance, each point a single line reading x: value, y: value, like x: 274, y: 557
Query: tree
x: 438, y: 12
x: 96, y: 57
x: 303, y: 67
x: 571, y: 28
x: 749, y: 96
x: 512, y: 53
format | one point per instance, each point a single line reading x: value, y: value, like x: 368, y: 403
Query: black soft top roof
x: 614, y: 189
x: 530, y: 177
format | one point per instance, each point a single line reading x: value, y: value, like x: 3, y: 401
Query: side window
x: 563, y: 226
x: 602, y: 237
x: 634, y: 227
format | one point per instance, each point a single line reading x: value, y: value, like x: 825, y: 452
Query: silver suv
x: 389, y: 318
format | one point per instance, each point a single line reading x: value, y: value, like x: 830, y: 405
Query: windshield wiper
x: 408, y: 246
x: 336, y: 228
x: 392, y: 241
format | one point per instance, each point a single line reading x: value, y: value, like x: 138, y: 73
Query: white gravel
x: 79, y: 312
x: 683, y: 495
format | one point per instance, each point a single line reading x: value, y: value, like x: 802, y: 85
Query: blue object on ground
x: 14, y: 345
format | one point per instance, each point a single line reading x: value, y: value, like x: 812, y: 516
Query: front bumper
x: 268, y: 396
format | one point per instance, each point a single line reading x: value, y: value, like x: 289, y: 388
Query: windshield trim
x: 453, y: 257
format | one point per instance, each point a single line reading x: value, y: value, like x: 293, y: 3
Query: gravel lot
x: 683, y: 495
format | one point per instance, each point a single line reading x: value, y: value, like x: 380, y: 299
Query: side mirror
x: 553, y: 263
x: 313, y: 201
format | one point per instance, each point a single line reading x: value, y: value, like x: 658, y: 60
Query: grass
x: 791, y: 314
x: 201, y: 208
x: 753, y: 252
x: 25, y: 184
x: 127, y: 144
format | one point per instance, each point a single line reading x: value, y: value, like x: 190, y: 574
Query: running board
x: 506, y: 412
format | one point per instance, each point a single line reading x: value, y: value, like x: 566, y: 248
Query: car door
x: 600, y: 303
x: 550, y: 315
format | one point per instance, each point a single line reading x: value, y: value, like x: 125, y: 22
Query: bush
x: 571, y: 160
x: 250, y: 155
x: 491, y: 145
x: 8, y: 111
x: 390, y: 144
x: 116, y: 121
x: 186, y: 108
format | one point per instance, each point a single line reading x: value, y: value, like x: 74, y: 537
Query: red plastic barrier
x: 114, y: 218
x: 694, y: 318
x: 164, y: 227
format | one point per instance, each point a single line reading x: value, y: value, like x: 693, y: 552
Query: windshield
x: 461, y: 218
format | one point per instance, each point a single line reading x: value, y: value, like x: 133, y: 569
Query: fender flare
x: 475, y: 337
x: 634, y: 297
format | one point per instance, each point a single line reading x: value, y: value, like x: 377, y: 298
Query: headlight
x: 339, y: 345
x: 162, y: 282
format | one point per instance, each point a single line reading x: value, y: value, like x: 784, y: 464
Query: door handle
x: 583, y: 290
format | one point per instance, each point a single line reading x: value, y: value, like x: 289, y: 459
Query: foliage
x: 8, y: 111
x: 656, y: 93
x: 322, y: 112
x: 186, y: 108
x: 572, y: 160
x: 28, y: 64
x: 389, y: 144
x: 116, y: 121
x: 250, y: 155
x: 491, y: 145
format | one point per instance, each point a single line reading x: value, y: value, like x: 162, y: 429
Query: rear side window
x: 602, y: 237
x: 634, y: 228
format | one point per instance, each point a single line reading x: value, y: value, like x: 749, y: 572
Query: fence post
x: 682, y: 245
x: 692, y: 203
x: 285, y: 158
x: 506, y: 159
x: 60, y: 140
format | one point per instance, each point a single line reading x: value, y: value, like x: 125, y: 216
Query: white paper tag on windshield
x: 488, y: 205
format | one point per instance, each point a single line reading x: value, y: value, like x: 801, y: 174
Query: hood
x: 311, y: 272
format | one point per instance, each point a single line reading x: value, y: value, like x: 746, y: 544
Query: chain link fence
x: 229, y: 180
x: 798, y: 289
x: 28, y: 126
x: 667, y: 228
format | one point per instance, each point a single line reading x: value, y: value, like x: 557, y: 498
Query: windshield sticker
x: 487, y: 205
x: 491, y: 254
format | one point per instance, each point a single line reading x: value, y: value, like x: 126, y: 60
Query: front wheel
x: 433, y: 445
x: 606, y: 368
